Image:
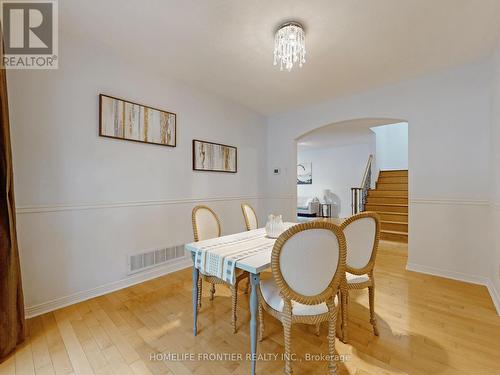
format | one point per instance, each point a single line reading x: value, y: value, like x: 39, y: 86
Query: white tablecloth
x: 218, y: 256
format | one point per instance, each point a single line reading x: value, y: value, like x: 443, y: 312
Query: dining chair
x: 250, y: 216
x: 308, y: 263
x: 362, y: 233
x: 206, y: 225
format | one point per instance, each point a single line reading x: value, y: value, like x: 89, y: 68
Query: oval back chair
x: 249, y: 216
x: 308, y: 264
x: 206, y: 225
x: 362, y: 233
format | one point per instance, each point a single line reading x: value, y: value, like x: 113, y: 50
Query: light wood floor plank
x: 127, y: 351
x: 139, y: 368
x: 58, y: 354
x: 39, y: 348
x: 24, y: 360
x: 74, y: 348
x: 117, y: 362
x: 8, y: 366
x: 94, y: 354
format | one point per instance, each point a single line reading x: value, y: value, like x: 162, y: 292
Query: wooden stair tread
x: 401, y: 172
x: 387, y: 204
x: 393, y: 180
x: 393, y: 232
x: 390, y: 196
x: 391, y: 183
x: 393, y: 213
x: 391, y: 186
x: 388, y: 200
x: 386, y: 191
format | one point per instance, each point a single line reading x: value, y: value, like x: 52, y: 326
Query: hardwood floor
x: 428, y: 325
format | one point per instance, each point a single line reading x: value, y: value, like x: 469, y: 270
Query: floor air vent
x: 153, y: 258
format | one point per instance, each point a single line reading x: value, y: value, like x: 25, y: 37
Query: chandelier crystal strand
x: 290, y: 46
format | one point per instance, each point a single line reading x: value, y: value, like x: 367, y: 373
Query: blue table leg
x: 195, y: 296
x: 254, y: 303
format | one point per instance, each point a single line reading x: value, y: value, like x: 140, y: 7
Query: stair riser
x: 393, y: 173
x: 393, y: 217
x: 394, y: 237
x: 397, y: 227
x: 393, y: 180
x: 387, y: 200
x: 375, y: 207
x: 388, y: 193
x: 392, y: 186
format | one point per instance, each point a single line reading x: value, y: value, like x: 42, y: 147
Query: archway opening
x: 352, y: 166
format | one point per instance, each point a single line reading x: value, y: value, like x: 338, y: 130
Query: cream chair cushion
x: 308, y: 261
x: 206, y: 224
x: 250, y: 215
x: 271, y: 294
x: 356, y: 279
x: 360, y: 237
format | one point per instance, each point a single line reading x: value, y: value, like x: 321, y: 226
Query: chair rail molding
x: 164, y: 202
x: 469, y: 202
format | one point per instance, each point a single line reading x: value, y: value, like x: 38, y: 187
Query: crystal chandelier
x: 290, y: 45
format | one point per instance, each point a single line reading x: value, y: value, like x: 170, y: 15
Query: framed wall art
x: 304, y: 174
x: 122, y: 119
x: 214, y: 157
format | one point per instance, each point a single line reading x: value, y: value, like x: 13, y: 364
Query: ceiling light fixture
x: 290, y: 45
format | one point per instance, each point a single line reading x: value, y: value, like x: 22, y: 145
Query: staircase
x: 390, y: 200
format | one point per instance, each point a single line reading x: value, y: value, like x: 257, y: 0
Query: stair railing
x: 359, y: 194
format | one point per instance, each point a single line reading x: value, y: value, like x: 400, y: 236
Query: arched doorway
x: 356, y: 165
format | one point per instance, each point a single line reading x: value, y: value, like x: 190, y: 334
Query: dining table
x: 254, y: 262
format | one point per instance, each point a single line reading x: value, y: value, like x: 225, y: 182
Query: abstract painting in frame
x: 304, y: 174
x: 214, y: 157
x: 122, y: 119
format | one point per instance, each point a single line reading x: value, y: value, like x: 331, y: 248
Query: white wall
x: 392, y: 146
x: 335, y: 168
x: 85, y: 202
x: 495, y: 179
x: 449, y: 127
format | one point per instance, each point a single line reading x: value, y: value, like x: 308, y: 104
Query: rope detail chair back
x: 362, y: 232
x: 206, y: 223
x: 308, y: 263
x: 249, y: 216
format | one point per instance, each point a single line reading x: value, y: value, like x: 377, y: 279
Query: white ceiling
x: 225, y: 46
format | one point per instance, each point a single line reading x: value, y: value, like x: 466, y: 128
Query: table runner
x: 218, y: 256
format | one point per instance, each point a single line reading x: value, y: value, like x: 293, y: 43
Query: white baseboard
x: 45, y: 307
x: 447, y: 274
x: 473, y: 279
x: 494, y: 295
x: 451, y: 202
